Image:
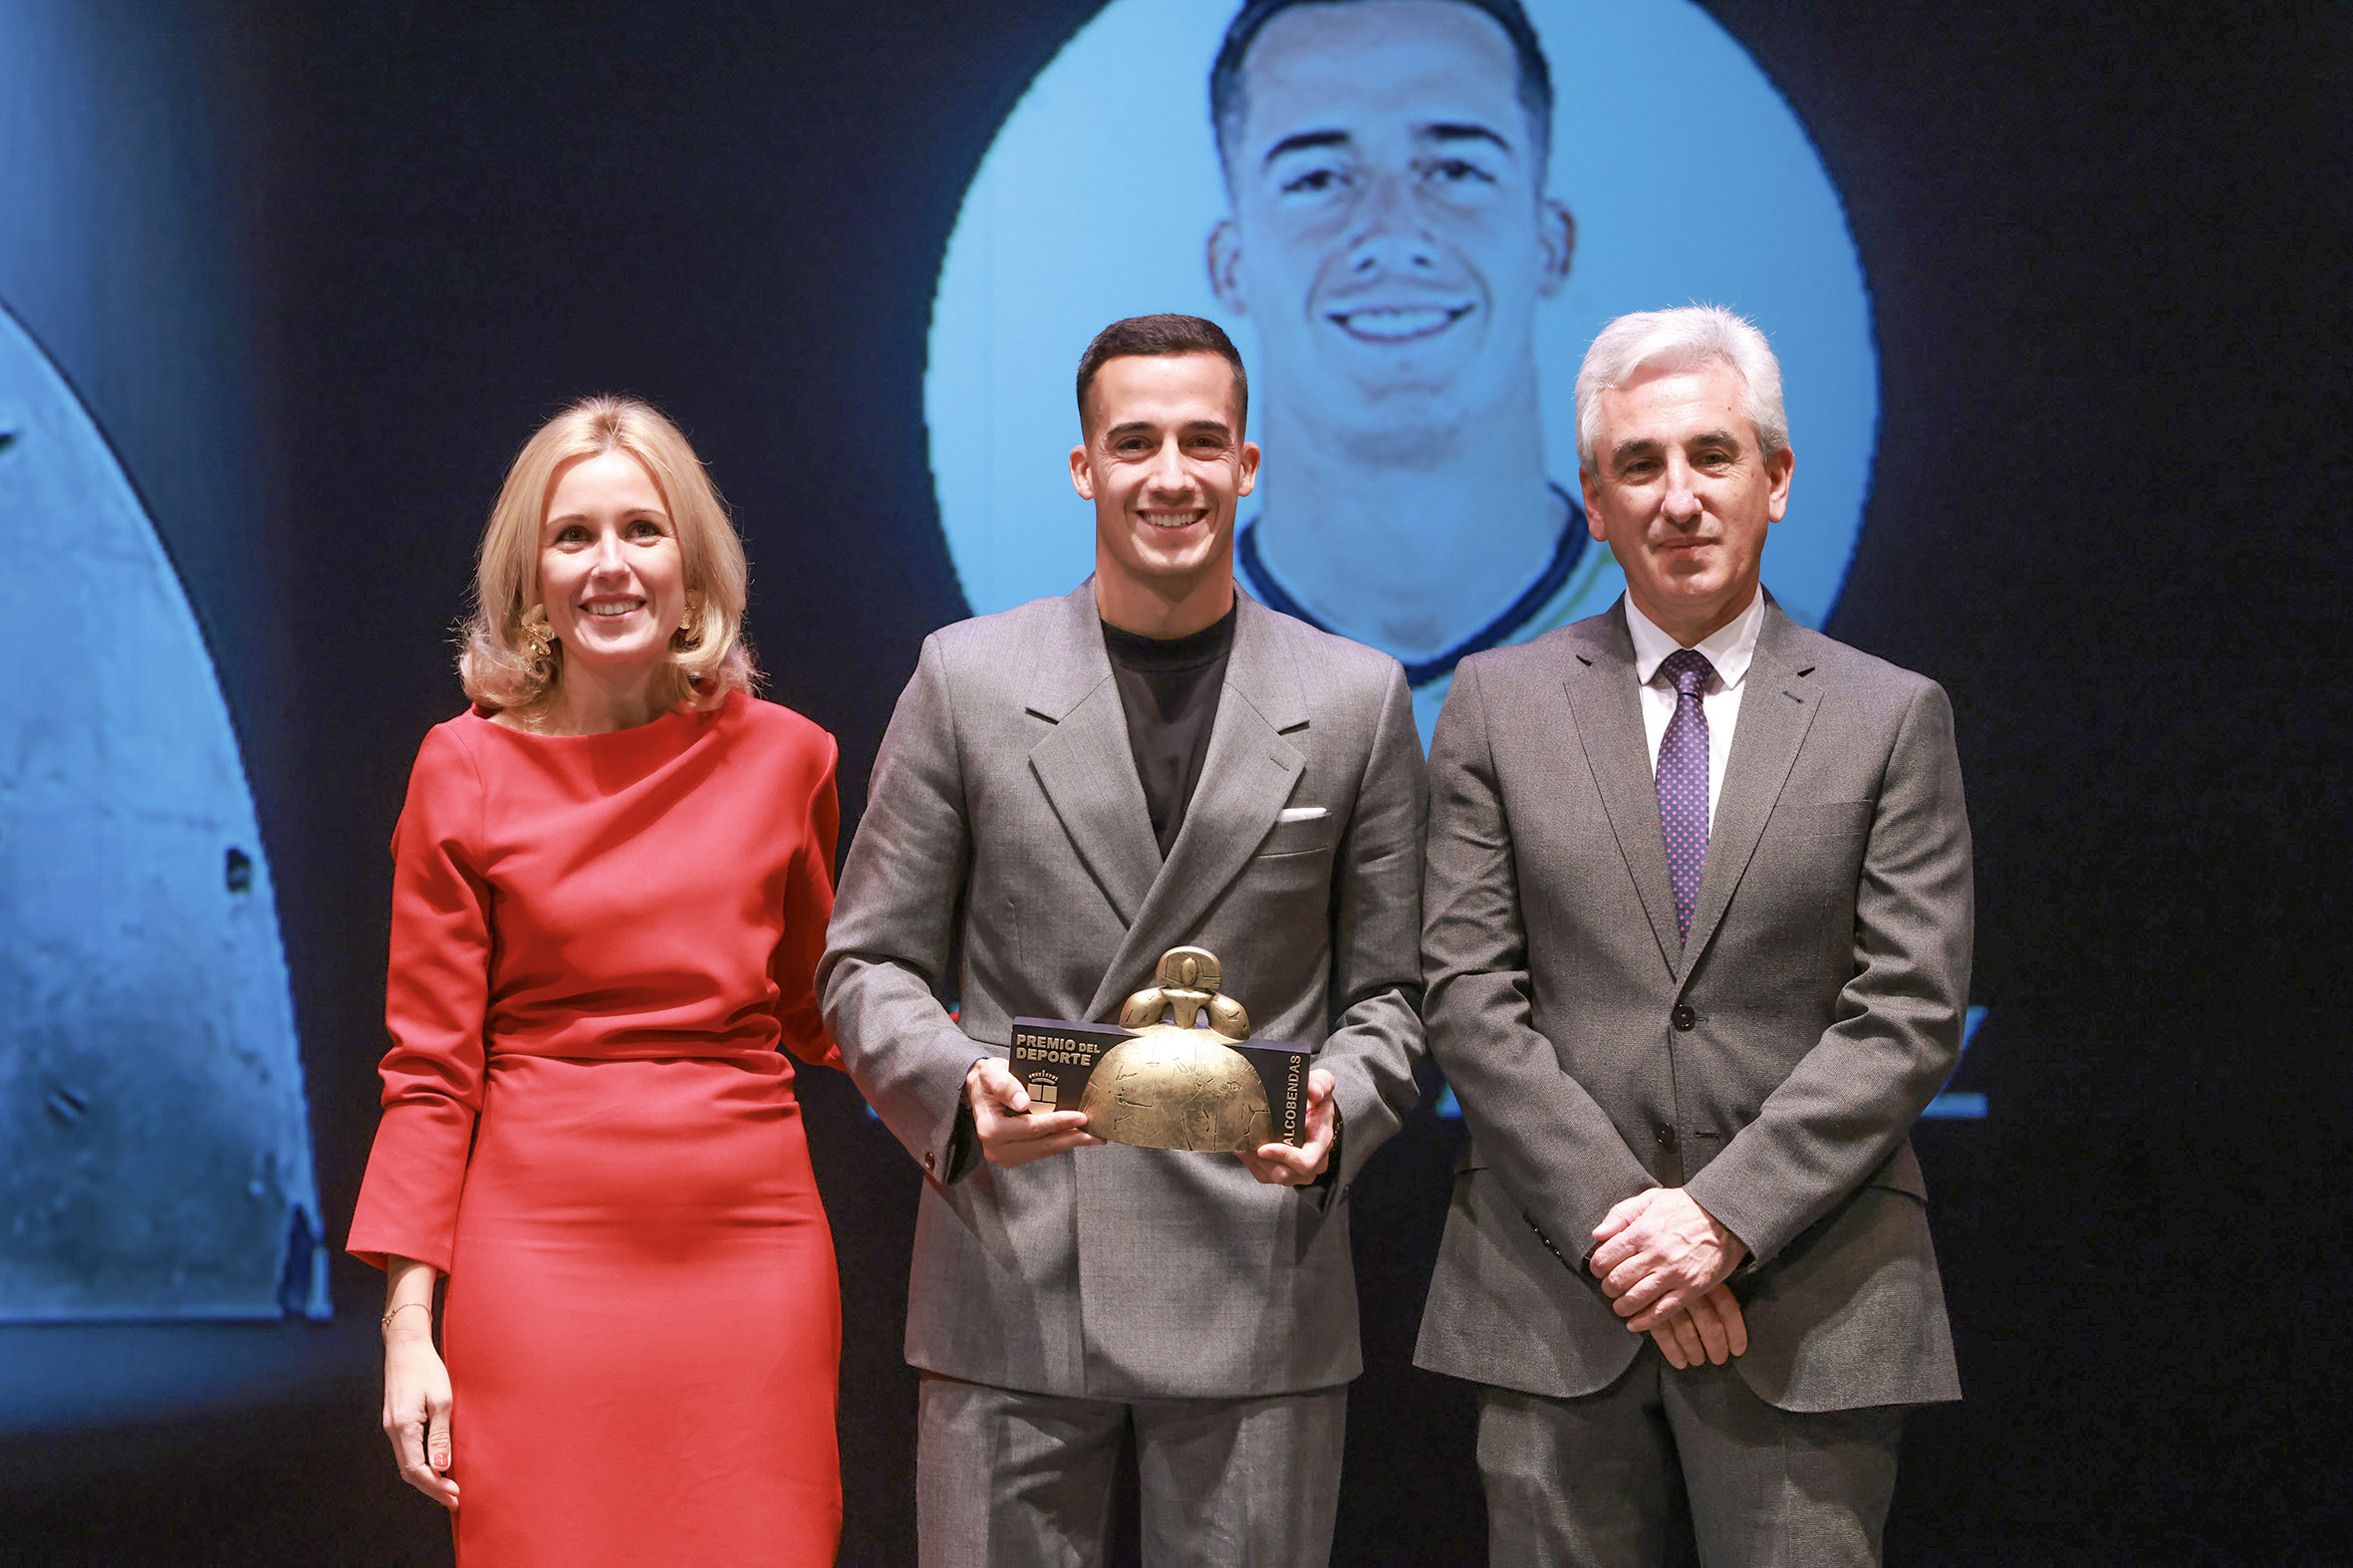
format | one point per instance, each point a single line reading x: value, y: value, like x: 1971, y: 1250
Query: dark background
x: 318, y: 273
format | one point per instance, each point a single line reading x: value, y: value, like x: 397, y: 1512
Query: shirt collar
x: 1730, y: 648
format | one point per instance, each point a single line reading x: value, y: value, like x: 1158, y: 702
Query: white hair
x: 1677, y: 340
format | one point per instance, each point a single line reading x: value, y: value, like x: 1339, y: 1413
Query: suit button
x: 1682, y: 1017
x: 1665, y: 1135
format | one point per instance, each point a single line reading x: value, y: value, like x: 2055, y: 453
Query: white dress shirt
x: 1730, y: 651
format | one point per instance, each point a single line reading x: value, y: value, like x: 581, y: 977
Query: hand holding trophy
x: 1176, y: 1074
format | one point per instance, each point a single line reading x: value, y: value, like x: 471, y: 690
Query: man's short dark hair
x: 1161, y: 335
x: 1225, y: 76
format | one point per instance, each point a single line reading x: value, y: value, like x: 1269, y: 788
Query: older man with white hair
x: 1696, y: 933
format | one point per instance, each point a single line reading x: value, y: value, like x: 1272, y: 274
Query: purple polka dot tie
x: 1682, y: 780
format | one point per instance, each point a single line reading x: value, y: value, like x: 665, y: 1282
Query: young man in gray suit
x: 1696, y: 942
x: 1067, y: 790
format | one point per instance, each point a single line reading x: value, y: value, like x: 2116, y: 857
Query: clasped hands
x: 1012, y: 1134
x: 1663, y: 1261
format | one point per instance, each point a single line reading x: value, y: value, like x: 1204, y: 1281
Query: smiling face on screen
x: 1390, y: 238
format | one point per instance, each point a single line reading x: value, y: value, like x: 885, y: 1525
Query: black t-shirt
x: 1169, y: 689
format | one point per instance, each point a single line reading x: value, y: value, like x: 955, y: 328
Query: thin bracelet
x: 386, y: 1321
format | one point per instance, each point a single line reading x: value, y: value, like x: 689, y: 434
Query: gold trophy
x: 1179, y: 1083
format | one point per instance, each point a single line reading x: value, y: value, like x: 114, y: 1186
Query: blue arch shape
x: 154, y: 1144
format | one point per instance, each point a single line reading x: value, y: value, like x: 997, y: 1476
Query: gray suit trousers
x: 1008, y: 1479
x: 1663, y: 1460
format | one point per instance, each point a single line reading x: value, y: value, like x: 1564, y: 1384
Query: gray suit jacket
x: 1773, y: 1064
x: 1007, y: 832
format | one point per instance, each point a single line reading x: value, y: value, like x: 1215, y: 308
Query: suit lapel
x: 1085, y: 763
x: 1245, y: 780
x: 1777, y: 708
x: 1608, y: 706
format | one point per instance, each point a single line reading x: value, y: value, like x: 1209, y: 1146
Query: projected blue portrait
x: 155, y: 1155
x: 1413, y: 216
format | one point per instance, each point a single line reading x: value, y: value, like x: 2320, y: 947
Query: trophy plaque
x: 1175, y: 1074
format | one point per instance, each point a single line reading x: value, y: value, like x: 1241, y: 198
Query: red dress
x: 599, y: 942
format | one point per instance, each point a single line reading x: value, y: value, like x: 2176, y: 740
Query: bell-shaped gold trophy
x: 1180, y: 1084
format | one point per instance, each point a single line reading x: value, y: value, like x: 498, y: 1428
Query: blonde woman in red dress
x: 611, y: 885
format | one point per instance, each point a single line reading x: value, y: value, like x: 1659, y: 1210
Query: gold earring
x: 688, y: 633
x: 539, y: 643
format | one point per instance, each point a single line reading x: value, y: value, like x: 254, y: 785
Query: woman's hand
x: 416, y: 1383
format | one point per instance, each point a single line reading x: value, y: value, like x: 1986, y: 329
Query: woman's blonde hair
x: 708, y: 660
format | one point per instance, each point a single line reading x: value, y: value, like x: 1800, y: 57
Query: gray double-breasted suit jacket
x: 1006, y: 836
x: 1772, y: 1064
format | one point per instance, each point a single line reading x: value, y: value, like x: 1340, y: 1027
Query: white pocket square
x: 1299, y: 813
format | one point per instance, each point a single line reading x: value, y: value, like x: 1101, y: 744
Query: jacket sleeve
x: 808, y: 905
x: 436, y: 1003
x: 1896, y: 1037
x: 1376, y: 1039
x: 1549, y: 1143
x: 894, y: 923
